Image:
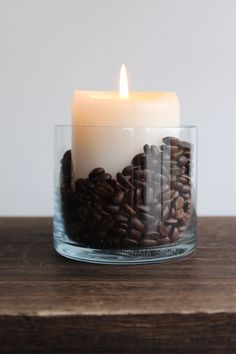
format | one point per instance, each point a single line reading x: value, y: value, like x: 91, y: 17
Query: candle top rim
x: 133, y: 95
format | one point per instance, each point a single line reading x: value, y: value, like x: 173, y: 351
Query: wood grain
x: 52, y: 304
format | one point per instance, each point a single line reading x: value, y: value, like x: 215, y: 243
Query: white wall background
x: 48, y: 48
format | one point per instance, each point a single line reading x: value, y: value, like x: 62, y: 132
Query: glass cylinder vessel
x: 125, y: 194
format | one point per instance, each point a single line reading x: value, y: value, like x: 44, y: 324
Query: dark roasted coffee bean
x: 175, y: 234
x: 177, y: 154
x: 163, y: 241
x: 137, y: 223
x: 167, y: 195
x: 114, y: 184
x: 148, y: 243
x: 174, y: 194
x: 153, y: 165
x: 129, y: 242
x: 123, y: 180
x: 171, y: 221
x: 184, y: 145
x: 147, y: 149
x: 119, y: 232
x: 170, y: 140
x: 157, y: 209
x: 104, y: 191
x: 147, y: 218
x: 183, y: 180
x: 143, y: 208
x: 186, y: 195
x: 118, y: 197
x: 142, y: 173
x: 123, y: 225
x: 129, y: 170
x: 155, y: 152
x: 182, y: 228
x: 100, y: 209
x: 180, y: 214
x: 182, y: 161
x: 179, y: 186
x: 174, y: 170
x: 137, y: 195
x: 152, y: 235
x: 166, y: 212
x: 163, y: 230
x: 89, y: 184
x: 121, y: 218
x: 140, y: 160
x: 153, y: 227
x: 111, y: 208
x: 186, y: 189
x: 107, y: 176
x: 129, y: 209
x: 134, y: 233
x: 96, y: 173
x: 179, y: 203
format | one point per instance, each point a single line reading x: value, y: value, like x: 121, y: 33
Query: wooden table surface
x: 52, y: 304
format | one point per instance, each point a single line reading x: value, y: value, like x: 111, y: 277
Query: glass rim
x: 57, y: 126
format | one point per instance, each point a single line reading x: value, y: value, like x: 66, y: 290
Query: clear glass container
x: 125, y: 194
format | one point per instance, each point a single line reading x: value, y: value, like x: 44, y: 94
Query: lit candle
x: 124, y: 112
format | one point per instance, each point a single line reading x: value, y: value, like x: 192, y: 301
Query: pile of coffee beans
x: 147, y: 204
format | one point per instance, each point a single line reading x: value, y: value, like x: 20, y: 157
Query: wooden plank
x: 51, y: 303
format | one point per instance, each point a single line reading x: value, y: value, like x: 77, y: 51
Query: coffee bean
x: 111, y: 208
x: 96, y: 173
x: 129, y: 209
x: 142, y: 173
x: 163, y: 241
x: 175, y: 234
x: 148, y: 243
x: 163, y: 230
x: 174, y: 194
x: 155, y: 152
x: 172, y: 221
x: 137, y: 223
x: 143, y: 208
x: 121, y: 218
x: 184, y: 145
x: 118, y: 197
x: 186, y: 189
x: 137, y: 195
x: 152, y: 235
x: 134, y: 233
x: 183, y: 179
x: 103, y: 191
x: 180, y: 214
x: 119, y: 232
x: 123, y: 180
x: 166, y: 212
x: 169, y: 140
x: 129, y: 242
x: 147, y: 217
x: 147, y: 149
x: 139, y: 160
x: 182, y: 161
x: 182, y: 228
x: 179, y: 203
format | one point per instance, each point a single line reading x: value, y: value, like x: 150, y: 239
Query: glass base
x: 123, y: 256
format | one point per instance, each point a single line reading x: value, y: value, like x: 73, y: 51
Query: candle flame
x: 124, y: 88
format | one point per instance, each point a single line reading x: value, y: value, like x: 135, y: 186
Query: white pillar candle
x: 109, y: 128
